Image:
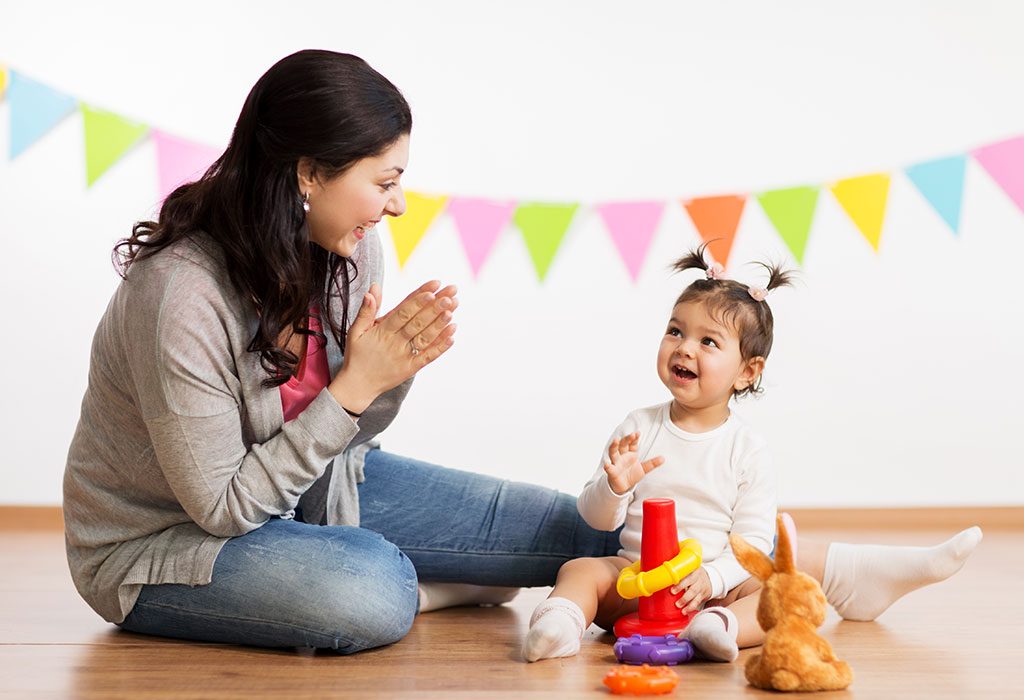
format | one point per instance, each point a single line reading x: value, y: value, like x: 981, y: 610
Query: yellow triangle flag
x: 408, y: 230
x: 3, y: 81
x: 864, y: 200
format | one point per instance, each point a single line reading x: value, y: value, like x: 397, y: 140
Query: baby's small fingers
x: 613, y: 449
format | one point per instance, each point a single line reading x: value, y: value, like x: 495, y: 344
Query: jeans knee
x: 374, y: 605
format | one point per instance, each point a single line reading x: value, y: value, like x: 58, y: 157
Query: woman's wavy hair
x: 730, y: 303
x: 332, y: 108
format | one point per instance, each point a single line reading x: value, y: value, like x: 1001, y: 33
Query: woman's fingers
x: 366, y: 315
x: 440, y: 345
x: 418, y: 329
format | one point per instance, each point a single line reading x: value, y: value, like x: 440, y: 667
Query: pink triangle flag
x: 479, y: 223
x: 632, y: 226
x: 179, y: 161
x: 1004, y: 161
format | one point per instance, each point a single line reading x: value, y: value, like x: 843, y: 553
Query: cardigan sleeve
x: 190, y: 396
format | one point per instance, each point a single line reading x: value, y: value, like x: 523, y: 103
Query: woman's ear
x: 748, y: 376
x: 306, y: 173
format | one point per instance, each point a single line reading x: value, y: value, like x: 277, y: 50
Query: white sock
x: 434, y: 596
x: 861, y: 581
x: 556, y: 628
x: 713, y: 633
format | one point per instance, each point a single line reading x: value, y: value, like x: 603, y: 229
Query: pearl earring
x: 305, y: 202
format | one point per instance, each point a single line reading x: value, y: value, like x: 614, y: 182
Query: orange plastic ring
x: 641, y: 680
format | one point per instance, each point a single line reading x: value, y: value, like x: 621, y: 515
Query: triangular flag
x: 941, y: 182
x: 791, y: 211
x: 479, y: 223
x: 632, y: 226
x: 408, y: 229
x: 543, y: 226
x: 35, y: 109
x: 179, y: 161
x: 108, y: 136
x: 717, y: 219
x: 864, y: 198
x: 1004, y: 161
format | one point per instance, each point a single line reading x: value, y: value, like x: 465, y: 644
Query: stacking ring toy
x: 663, y: 650
x: 645, y: 680
x: 633, y: 582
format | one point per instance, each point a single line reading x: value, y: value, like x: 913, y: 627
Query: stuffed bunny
x: 792, y: 607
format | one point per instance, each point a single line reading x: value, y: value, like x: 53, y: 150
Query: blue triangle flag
x: 942, y: 184
x: 35, y: 109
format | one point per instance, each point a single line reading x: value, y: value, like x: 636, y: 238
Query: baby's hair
x: 735, y: 304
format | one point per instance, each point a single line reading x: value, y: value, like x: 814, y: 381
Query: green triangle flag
x: 543, y: 227
x: 791, y: 211
x: 108, y: 136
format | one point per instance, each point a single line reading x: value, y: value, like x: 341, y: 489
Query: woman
x: 223, y: 483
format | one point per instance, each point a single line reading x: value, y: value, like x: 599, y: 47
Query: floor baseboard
x: 994, y: 517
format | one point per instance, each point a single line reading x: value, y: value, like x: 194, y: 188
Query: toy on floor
x: 664, y: 562
x: 645, y: 680
x: 792, y: 607
x: 667, y: 650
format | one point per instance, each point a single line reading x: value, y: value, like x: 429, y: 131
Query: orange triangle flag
x: 717, y: 219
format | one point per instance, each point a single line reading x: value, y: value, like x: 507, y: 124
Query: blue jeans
x: 289, y: 583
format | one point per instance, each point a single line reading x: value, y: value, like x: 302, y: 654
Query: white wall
x: 895, y: 377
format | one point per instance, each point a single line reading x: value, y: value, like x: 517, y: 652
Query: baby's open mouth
x: 682, y: 372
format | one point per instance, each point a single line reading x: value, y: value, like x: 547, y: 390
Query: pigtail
x: 778, y: 276
x: 694, y: 260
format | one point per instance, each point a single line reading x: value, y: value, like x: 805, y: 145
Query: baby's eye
x: 672, y: 331
x: 710, y: 342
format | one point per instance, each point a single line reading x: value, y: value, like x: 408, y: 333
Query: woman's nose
x: 396, y: 205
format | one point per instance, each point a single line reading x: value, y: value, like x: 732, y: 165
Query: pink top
x: 314, y: 374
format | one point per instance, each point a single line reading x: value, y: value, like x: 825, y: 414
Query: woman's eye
x: 387, y: 185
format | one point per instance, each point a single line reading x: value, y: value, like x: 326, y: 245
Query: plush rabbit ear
x: 783, y: 548
x: 751, y: 558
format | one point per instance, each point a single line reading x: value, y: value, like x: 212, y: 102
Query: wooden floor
x: 960, y: 639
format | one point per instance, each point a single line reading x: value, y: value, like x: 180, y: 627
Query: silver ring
x: 415, y: 350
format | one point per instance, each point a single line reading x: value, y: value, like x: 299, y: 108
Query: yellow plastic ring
x: 634, y: 583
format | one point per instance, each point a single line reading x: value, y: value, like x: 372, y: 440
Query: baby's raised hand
x: 624, y: 468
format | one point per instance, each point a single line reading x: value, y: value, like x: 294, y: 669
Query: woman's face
x: 343, y: 209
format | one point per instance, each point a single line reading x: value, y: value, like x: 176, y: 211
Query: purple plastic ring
x: 665, y: 650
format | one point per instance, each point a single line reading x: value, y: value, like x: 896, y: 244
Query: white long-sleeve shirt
x: 722, y: 481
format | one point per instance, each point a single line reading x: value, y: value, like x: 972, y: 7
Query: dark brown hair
x: 729, y: 302
x: 332, y: 108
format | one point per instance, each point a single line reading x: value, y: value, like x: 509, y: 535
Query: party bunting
x: 35, y: 109
x: 179, y: 161
x: 941, y: 181
x: 108, y: 136
x: 543, y: 226
x: 864, y: 200
x: 632, y: 226
x: 1004, y: 161
x: 479, y: 222
x: 791, y: 211
x: 407, y: 230
x: 717, y: 219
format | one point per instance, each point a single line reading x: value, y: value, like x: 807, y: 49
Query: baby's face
x: 699, y: 359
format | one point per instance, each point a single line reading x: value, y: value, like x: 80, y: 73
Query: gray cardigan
x: 179, y: 446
